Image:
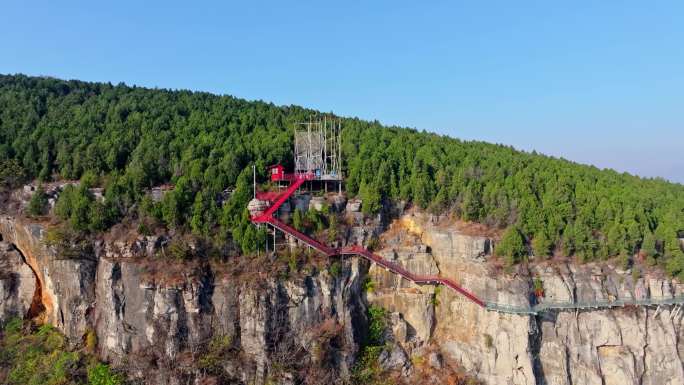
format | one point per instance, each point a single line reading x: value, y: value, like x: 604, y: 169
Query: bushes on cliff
x: 68, y: 243
x: 77, y: 206
x: 311, y: 221
x: 215, y: 354
x: 39, y: 202
x: 12, y: 175
x: 377, y: 324
x: 101, y: 374
x: 367, y: 370
x: 39, y: 355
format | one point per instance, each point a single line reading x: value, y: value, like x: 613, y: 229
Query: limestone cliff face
x: 155, y: 330
x: 618, y: 346
x: 622, y: 346
x: 64, y: 287
x: 17, y: 284
x: 258, y: 318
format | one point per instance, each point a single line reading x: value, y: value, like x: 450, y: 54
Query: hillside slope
x: 131, y: 138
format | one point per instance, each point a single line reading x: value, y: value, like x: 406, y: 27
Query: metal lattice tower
x: 318, y: 149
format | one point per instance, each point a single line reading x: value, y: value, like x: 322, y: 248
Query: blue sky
x: 598, y: 82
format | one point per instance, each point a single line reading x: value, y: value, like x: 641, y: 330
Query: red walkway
x: 268, y: 218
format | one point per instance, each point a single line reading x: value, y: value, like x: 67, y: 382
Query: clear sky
x: 598, y: 82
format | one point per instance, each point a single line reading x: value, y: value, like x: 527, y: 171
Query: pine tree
x: 370, y: 198
x: 38, y: 203
x: 541, y: 245
x: 11, y: 174
x: 648, y: 245
x: 512, y: 246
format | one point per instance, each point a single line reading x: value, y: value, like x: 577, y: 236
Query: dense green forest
x: 128, y: 139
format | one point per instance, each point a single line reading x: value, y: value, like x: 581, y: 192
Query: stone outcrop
x: 17, y: 284
x: 66, y: 286
x: 141, y: 246
x: 619, y: 346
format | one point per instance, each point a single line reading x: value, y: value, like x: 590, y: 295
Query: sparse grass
x: 369, y: 285
x: 143, y: 229
x: 215, y: 354
x: 292, y: 263
x: 39, y: 355
x: 435, y: 296
x: 417, y: 360
x: 367, y: 370
x: 90, y: 341
x: 335, y: 269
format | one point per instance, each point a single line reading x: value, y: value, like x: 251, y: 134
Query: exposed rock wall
x: 154, y: 328
x: 133, y: 317
x: 17, y: 284
x: 66, y: 286
x: 620, y: 346
x: 617, y: 346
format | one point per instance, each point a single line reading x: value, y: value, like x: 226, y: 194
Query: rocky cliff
x: 233, y: 329
x: 17, y: 283
x: 256, y: 328
x: 630, y: 345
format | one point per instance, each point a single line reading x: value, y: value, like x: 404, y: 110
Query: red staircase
x: 298, y: 180
x: 301, y: 236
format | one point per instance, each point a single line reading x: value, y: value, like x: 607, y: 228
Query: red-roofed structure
x: 277, y: 172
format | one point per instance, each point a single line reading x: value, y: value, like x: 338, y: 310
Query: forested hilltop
x: 127, y: 139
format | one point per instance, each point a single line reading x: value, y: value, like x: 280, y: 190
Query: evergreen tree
x: 648, y: 245
x: 541, y: 245
x: 370, y: 198
x: 471, y: 205
x: 11, y: 173
x: 512, y: 246
x: 39, y: 202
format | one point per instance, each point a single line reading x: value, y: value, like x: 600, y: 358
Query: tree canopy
x: 133, y: 138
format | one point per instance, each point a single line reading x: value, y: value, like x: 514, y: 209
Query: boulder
x: 301, y: 202
x: 317, y: 203
x: 338, y: 202
x: 353, y: 206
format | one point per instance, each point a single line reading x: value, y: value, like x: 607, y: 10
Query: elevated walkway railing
x: 299, y: 235
x: 284, y: 196
x: 584, y: 305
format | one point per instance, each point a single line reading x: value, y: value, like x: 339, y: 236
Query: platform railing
x: 584, y: 305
